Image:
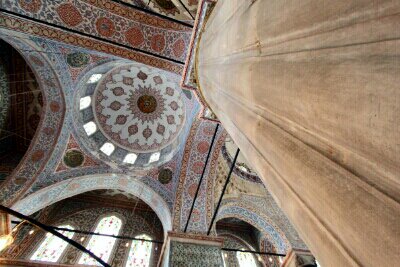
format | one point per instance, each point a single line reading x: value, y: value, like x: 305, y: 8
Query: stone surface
x: 308, y: 92
x: 299, y: 258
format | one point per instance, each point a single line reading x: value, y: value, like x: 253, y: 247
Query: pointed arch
x: 246, y: 259
x: 48, y: 130
x: 140, y: 252
x: 68, y: 188
x: 102, y: 246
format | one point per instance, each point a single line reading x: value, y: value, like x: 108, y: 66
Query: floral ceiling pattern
x: 138, y: 109
x: 115, y: 22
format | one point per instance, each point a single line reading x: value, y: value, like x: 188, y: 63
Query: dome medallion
x: 138, y: 109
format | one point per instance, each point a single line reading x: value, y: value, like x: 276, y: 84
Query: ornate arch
x: 194, y: 157
x: 69, y: 188
x: 252, y: 215
x: 51, y: 121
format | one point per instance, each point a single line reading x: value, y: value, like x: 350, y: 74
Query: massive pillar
x: 310, y: 92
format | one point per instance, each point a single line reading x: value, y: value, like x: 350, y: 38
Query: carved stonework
x: 193, y: 250
x: 303, y: 260
x: 299, y: 258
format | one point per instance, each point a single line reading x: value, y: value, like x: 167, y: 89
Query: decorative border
x: 68, y: 188
x: 174, y: 236
x: 48, y: 131
x: 190, y: 176
x: 203, y: 12
x: 33, y: 28
x: 137, y: 15
x: 260, y: 221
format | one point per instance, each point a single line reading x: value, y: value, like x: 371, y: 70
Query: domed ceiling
x: 133, y: 114
x: 138, y: 110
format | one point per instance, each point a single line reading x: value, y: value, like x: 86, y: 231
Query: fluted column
x: 310, y: 92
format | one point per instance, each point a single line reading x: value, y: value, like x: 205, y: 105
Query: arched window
x: 140, y: 252
x: 52, y: 247
x: 245, y: 259
x: 102, y: 245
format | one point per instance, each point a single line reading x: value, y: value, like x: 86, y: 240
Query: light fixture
x: 95, y: 78
x: 270, y: 259
x: 82, y: 238
x: 5, y: 241
x: 31, y: 232
x: 127, y: 244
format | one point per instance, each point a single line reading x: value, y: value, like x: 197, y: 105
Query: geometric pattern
x: 137, y: 109
x: 195, y: 154
x: 185, y: 254
x: 49, y: 126
x: 112, y: 21
x: 40, y: 30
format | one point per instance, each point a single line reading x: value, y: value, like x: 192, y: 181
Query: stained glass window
x: 140, y: 252
x: 102, y: 245
x: 245, y: 259
x: 52, y: 247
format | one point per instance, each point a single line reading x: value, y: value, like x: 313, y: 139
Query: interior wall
x: 83, y: 215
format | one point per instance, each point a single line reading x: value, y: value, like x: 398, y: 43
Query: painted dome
x: 130, y: 115
x: 139, y: 110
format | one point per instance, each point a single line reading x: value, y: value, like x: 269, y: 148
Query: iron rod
x: 188, y: 11
x: 90, y: 36
x: 99, y: 234
x: 54, y: 232
x: 152, y: 12
x: 254, y: 252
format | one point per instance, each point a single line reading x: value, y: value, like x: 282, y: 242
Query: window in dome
x: 90, y: 128
x: 107, y: 148
x: 154, y: 157
x: 130, y: 158
x: 95, y: 78
x: 245, y: 259
x: 140, y: 252
x: 102, y: 246
x: 52, y: 247
x: 84, y: 102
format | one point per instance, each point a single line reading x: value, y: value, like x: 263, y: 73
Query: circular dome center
x: 138, y: 109
x: 147, y: 103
